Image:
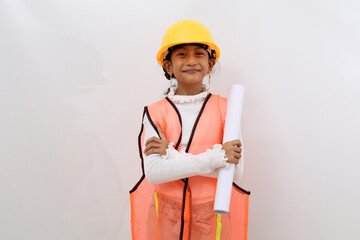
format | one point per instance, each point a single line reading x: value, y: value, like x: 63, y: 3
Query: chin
x: 193, y: 82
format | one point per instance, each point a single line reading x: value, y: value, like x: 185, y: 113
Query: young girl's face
x: 189, y: 64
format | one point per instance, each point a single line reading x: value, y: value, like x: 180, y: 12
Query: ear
x: 211, y: 64
x: 168, y: 67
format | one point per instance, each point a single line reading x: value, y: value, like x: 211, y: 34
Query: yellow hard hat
x: 186, y: 31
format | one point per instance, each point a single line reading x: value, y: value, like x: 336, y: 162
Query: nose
x: 191, y: 60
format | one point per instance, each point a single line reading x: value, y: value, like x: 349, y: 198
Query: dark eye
x: 181, y: 54
x: 200, y: 53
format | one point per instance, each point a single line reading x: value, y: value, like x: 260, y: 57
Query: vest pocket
x: 203, y: 221
x: 169, y: 220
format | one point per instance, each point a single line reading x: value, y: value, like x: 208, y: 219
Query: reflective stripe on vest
x: 218, y: 227
x: 183, y: 209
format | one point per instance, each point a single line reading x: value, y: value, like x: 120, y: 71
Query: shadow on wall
x: 59, y: 180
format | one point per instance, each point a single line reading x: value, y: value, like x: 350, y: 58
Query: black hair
x: 173, y: 48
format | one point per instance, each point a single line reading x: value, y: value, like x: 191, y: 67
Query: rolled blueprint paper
x: 231, y: 132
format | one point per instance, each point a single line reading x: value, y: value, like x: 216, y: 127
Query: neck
x: 188, y: 90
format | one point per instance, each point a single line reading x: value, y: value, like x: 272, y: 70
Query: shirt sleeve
x: 177, y: 165
x: 239, y: 168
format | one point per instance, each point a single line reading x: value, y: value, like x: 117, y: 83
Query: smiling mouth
x: 192, y: 71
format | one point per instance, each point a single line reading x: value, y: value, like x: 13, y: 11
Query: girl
x: 181, y: 151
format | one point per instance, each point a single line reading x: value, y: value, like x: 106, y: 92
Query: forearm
x: 175, y: 165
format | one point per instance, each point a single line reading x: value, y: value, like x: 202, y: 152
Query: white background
x: 75, y: 75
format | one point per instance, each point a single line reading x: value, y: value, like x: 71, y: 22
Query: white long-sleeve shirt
x: 178, y: 165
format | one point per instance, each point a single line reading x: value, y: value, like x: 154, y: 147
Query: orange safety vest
x: 184, y: 209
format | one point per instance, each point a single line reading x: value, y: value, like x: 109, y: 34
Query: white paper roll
x: 231, y: 132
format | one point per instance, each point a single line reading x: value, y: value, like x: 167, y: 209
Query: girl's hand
x: 232, y: 151
x: 156, y: 145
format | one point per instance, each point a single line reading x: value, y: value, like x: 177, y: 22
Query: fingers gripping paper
x: 231, y: 132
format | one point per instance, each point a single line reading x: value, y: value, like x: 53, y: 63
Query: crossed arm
x: 163, y: 163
